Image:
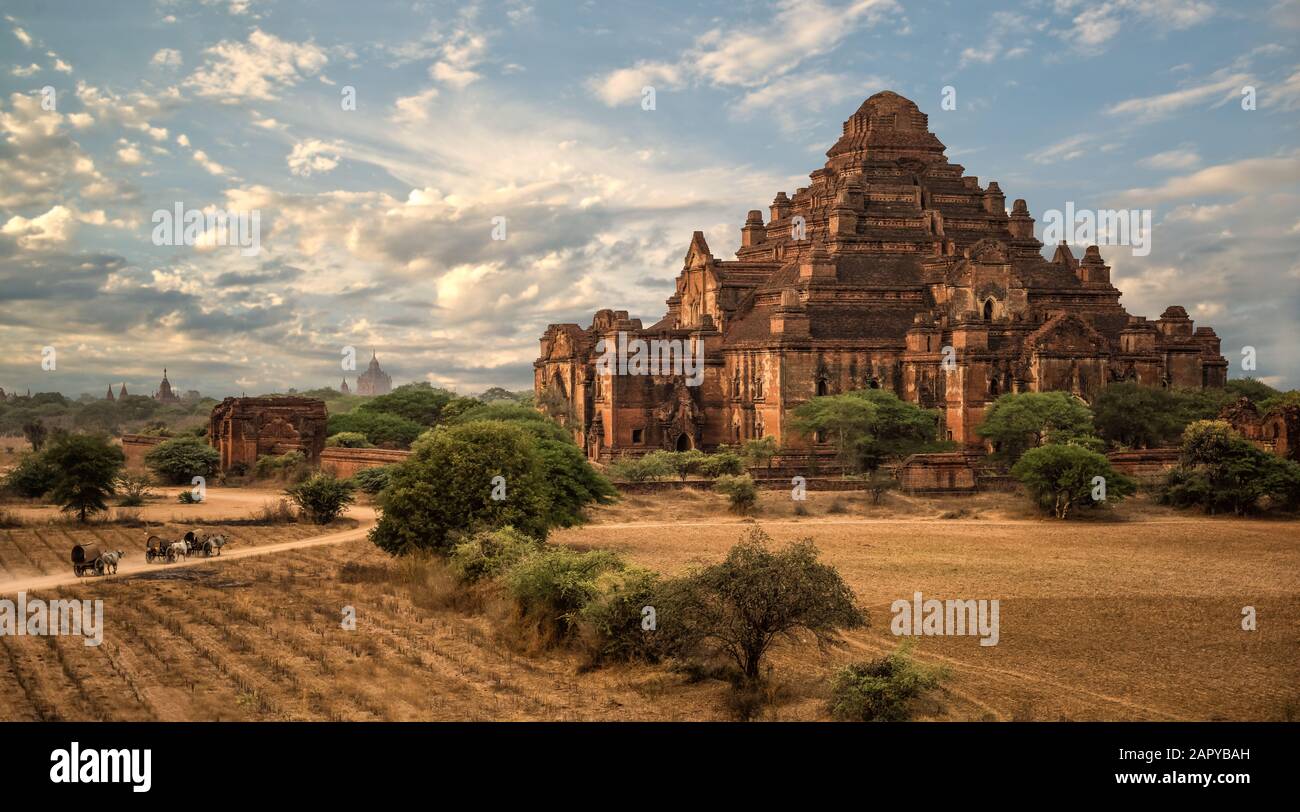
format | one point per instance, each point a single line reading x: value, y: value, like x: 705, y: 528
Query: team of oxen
x: 89, y: 559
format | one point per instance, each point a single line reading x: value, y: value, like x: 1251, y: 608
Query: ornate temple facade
x: 892, y: 269
x: 243, y: 429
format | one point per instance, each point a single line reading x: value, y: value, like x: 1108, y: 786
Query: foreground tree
x: 754, y: 597
x: 462, y: 479
x: 1017, y: 422
x: 88, y: 466
x: 178, y: 461
x: 1220, y: 471
x: 1063, y: 477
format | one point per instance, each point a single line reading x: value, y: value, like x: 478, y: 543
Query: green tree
x: 760, y: 451
x: 418, y: 402
x: 1220, y: 471
x: 348, y: 439
x: 35, y: 433
x: 1017, y: 422
x: 32, y: 477
x: 740, y: 491
x: 381, y: 428
x: 1061, y: 477
x: 1136, y: 416
x: 755, y: 596
x: 88, y: 466
x: 868, y: 427
x: 179, y: 460
x: 446, y: 487
x: 322, y: 496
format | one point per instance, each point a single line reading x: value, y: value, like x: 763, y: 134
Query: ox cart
x: 155, y: 549
x: 85, y: 560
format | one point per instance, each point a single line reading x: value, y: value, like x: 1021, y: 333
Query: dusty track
x: 129, y: 568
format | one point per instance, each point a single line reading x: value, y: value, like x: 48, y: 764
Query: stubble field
x: 1137, y: 616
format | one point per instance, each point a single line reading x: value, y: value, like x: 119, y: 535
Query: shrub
x: 612, y: 622
x: 1220, y: 471
x: 322, y: 496
x: 881, y: 690
x: 723, y: 463
x: 372, y: 480
x: 88, y: 466
x: 445, y: 488
x: 32, y: 477
x: 1061, y: 477
x: 134, y: 489
x: 651, y: 467
x: 288, y: 467
x: 551, y: 587
x: 760, y: 451
x: 179, y: 460
x: 381, y: 428
x: 571, y: 483
x: 739, y: 607
x: 489, y: 553
x: 348, y: 439
x: 187, y: 497
x: 739, y: 490
x: 419, y: 403
x: 878, y: 482
x: 683, y: 463
x: 278, y: 512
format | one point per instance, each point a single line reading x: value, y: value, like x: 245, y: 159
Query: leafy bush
x: 32, y: 477
x: 348, y: 439
x: 739, y: 607
x: 739, y: 490
x: 881, y: 690
x: 611, y: 623
x: 288, y: 467
x: 551, y: 587
x: 179, y: 460
x: 651, y: 467
x: 723, y: 463
x: 187, y: 497
x: 373, y: 480
x: 489, y: 553
x: 1061, y: 477
x: 759, y: 451
x: 134, y: 489
x: 445, y: 488
x: 419, y: 403
x: 380, y: 428
x: 1219, y: 471
x: 322, y: 496
x: 571, y: 483
x: 868, y: 427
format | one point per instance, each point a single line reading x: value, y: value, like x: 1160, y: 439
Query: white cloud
x: 23, y: 36
x: 257, y: 69
x: 1066, y: 150
x: 27, y: 71
x: 1238, y: 178
x: 166, y: 58
x: 1153, y: 107
x: 313, y: 156
x: 1182, y: 158
x: 414, y: 109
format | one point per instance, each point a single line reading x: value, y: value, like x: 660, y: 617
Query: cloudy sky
x: 378, y: 142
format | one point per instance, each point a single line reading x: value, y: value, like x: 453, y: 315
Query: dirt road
x: 137, y: 565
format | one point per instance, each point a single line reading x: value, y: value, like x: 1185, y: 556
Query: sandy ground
x: 219, y: 503
x: 1134, y: 614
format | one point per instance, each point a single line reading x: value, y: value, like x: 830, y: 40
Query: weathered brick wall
x: 345, y: 462
x: 135, y: 446
x: 1147, y: 465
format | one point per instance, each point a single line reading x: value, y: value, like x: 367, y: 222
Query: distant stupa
x: 374, y: 381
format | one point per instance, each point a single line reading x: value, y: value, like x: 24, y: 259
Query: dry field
x: 1135, y: 615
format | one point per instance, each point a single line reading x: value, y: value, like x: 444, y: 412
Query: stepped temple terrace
x: 892, y: 269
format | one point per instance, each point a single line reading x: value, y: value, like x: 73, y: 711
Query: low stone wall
x: 951, y: 472
x: 766, y: 483
x: 345, y: 462
x: 1146, y: 466
x: 135, y: 446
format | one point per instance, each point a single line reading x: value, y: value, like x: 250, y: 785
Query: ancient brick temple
x: 889, y: 263
x: 243, y: 429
